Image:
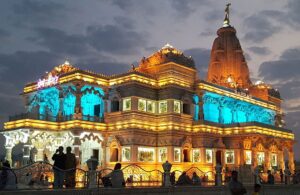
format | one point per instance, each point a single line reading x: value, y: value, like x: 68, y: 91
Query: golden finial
x: 226, y: 22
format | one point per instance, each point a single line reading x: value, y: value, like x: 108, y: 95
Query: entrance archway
x: 219, y: 157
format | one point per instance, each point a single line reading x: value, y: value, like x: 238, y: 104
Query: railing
x: 54, y: 118
x: 207, y: 178
x: 40, y: 175
x: 135, y: 175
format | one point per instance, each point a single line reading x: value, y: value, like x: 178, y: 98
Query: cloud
x: 284, y: 69
x: 258, y: 27
x: 115, y: 40
x: 122, y: 4
x: 35, y: 11
x: 185, y: 8
x: 59, y: 42
x: 260, y: 50
x: 293, y: 12
x: 201, y: 57
x: 4, y: 34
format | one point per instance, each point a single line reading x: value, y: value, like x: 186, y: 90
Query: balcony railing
x: 54, y: 118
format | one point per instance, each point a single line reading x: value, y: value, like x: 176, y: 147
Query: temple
x: 159, y: 110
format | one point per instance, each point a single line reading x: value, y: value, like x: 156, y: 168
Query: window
x: 196, y: 155
x: 126, y: 154
x: 229, y: 157
x: 162, y: 154
x: 177, y: 154
x: 208, y: 155
x: 115, y: 105
x: 248, y: 157
x: 273, y: 160
x: 186, y: 108
x: 163, y: 106
x: 260, y: 158
x: 142, y: 105
x: 146, y: 154
x: 126, y: 104
x: 177, y: 106
x: 151, y: 106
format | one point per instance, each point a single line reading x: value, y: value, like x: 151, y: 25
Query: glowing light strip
x: 54, y: 125
x: 144, y: 124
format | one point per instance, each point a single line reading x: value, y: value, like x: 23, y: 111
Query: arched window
x: 115, y: 105
x: 186, y: 108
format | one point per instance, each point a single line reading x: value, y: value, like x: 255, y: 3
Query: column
x: 76, y: 146
x: 77, y: 114
x: 254, y: 158
x: 40, y: 154
x: 267, y: 161
x: 8, y: 154
x: 281, y: 160
x: 221, y: 119
x: 291, y: 161
x: 170, y: 154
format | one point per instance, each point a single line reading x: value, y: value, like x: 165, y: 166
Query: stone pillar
x: 134, y: 103
x: 170, y: 154
x: 134, y: 153
x: 170, y: 106
x: 92, y: 164
x: 78, y: 114
x: 26, y: 154
x: 76, y: 146
x: 291, y: 161
x: 218, y: 176
x: 40, y: 154
x: 267, y: 161
x: 8, y: 154
x: 254, y: 158
x: 281, y: 160
x: 221, y: 119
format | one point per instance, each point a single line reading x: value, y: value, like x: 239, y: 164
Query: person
x: 270, y: 177
x: 172, y: 178
x: 236, y: 187
x: 8, y: 178
x: 281, y: 176
x: 70, y: 167
x: 116, y: 176
x: 59, y: 159
x: 183, y: 179
x: 256, y: 189
x: 196, y: 179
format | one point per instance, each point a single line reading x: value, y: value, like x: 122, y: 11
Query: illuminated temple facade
x: 160, y: 110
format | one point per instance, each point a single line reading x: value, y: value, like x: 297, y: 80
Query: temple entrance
x: 114, y: 155
x: 186, y: 156
x: 219, y: 157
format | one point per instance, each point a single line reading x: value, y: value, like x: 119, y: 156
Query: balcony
x: 35, y: 116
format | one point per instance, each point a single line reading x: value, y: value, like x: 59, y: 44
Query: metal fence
x: 40, y: 175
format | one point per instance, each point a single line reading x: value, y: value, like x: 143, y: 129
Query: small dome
x: 167, y: 54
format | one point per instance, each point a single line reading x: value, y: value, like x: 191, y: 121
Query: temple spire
x: 226, y: 22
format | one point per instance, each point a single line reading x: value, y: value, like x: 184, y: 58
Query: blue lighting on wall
x: 92, y: 103
x: 45, y: 102
x: 196, y: 107
x: 226, y: 110
x: 69, y: 103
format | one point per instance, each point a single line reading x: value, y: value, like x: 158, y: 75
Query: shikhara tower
x: 155, y: 112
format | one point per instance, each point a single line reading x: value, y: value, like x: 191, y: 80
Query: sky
x: 107, y: 36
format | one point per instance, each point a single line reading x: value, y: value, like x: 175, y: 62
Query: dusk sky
x: 106, y: 36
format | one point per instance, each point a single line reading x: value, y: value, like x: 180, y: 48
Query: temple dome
x: 228, y: 66
x: 166, y: 54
